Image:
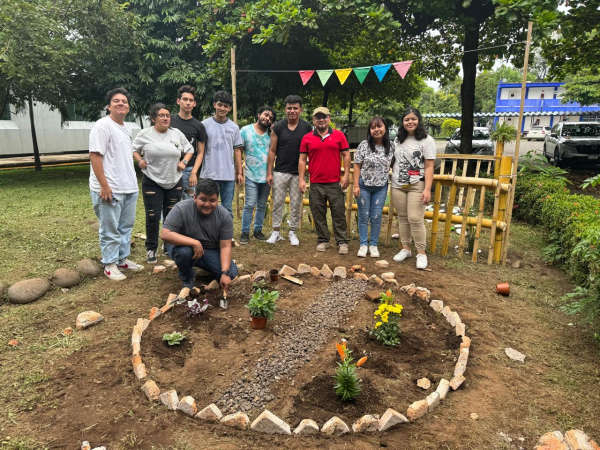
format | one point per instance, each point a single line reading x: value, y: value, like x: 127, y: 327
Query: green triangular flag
x: 324, y: 75
x: 361, y: 73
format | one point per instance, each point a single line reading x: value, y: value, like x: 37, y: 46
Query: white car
x: 482, y: 142
x: 538, y: 132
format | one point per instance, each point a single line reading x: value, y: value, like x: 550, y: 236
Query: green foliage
x: 386, y: 329
x: 591, y: 182
x: 173, y: 338
x: 504, y: 132
x: 438, y: 101
x: 533, y: 162
x: 574, y: 234
x: 262, y: 303
x: 347, y: 382
x: 449, y: 126
x: 584, y: 88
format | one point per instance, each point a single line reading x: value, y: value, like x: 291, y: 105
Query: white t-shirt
x: 113, y: 142
x: 162, y: 152
x: 221, y: 139
x: 409, y: 162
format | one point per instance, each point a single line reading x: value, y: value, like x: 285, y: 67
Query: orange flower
x: 388, y: 292
x: 13, y: 342
x: 341, y: 351
x: 361, y: 361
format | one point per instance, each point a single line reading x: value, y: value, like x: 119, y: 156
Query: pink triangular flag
x: 402, y: 67
x: 305, y: 75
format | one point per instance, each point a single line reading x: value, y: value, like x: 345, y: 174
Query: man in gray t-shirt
x: 199, y: 234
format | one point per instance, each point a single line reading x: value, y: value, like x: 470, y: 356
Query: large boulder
x: 65, y: 278
x: 89, y: 268
x: 28, y: 291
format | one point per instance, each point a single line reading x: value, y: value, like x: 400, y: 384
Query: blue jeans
x: 226, y: 191
x: 210, y: 261
x: 257, y: 195
x: 116, y: 223
x: 185, y: 177
x: 370, y: 208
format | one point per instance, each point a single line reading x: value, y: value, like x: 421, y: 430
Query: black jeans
x: 319, y: 195
x: 157, y: 201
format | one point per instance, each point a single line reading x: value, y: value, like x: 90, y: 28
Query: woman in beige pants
x: 412, y: 177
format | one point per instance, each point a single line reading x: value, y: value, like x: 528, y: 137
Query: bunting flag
x: 402, y: 67
x: 343, y: 74
x: 305, y: 75
x: 381, y: 69
x: 361, y: 73
x: 324, y: 75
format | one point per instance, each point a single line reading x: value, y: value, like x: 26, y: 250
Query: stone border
x: 268, y: 422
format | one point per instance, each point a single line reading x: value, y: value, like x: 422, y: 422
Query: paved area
x: 509, y: 149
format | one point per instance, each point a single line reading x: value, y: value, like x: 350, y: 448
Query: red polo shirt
x: 324, y: 155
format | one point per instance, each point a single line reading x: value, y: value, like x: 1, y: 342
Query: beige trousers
x: 411, y: 214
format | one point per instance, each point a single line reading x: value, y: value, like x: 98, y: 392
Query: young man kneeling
x: 199, y: 233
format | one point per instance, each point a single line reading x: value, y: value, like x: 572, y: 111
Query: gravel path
x: 302, y: 335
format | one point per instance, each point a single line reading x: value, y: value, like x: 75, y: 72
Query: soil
x: 89, y: 392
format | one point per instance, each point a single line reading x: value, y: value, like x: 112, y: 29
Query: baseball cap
x: 321, y: 110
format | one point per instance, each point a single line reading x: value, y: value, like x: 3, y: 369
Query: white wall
x: 505, y: 93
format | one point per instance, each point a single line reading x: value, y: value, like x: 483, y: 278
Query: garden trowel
x: 223, y: 304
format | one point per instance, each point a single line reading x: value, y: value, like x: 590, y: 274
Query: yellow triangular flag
x: 343, y: 74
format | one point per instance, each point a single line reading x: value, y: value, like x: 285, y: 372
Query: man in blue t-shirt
x: 222, y: 139
x: 256, y: 154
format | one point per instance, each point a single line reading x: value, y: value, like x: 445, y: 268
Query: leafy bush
x: 449, y: 126
x: 573, y: 226
x: 262, y: 303
x: 173, y: 338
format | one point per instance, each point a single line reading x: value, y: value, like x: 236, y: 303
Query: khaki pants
x: 411, y: 214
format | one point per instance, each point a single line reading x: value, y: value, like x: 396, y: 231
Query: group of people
x: 182, y: 158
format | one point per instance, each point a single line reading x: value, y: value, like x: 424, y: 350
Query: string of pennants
x: 361, y: 72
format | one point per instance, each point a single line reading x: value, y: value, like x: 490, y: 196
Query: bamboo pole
x: 505, y: 171
x: 466, y: 212
x: 511, y: 196
x: 494, y: 225
x: 479, y: 223
x: 462, y: 190
x: 235, y: 119
x: 448, y: 223
x: 437, y: 196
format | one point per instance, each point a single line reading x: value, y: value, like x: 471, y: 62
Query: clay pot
x: 274, y: 274
x: 503, y: 289
x: 257, y: 323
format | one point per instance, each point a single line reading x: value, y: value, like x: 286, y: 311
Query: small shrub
x: 449, y: 126
x: 387, y: 315
x: 262, y: 303
x: 347, y: 383
x: 173, y: 338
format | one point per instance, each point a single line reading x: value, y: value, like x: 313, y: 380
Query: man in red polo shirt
x: 323, y: 148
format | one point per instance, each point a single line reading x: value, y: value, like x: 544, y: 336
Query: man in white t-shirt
x: 113, y: 184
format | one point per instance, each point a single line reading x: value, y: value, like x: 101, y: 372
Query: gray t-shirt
x: 185, y: 219
x: 221, y: 139
x: 113, y: 142
x: 409, y: 163
x: 162, y: 152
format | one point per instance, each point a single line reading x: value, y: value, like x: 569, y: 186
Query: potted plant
x: 262, y: 307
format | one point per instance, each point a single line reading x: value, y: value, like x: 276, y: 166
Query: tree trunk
x: 326, y: 92
x: 467, y: 89
x: 5, y: 102
x: 141, y: 122
x: 36, y: 149
x: 350, y: 108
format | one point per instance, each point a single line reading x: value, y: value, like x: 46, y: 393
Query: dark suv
x: 570, y: 143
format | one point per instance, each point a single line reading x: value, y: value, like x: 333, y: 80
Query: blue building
x: 543, y: 106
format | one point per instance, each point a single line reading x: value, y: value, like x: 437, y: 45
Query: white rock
x: 188, y: 406
x: 424, y: 383
x: 366, y: 424
x: 303, y: 268
x: 437, y: 305
x: 433, y: 400
x: 388, y: 275
x: 382, y: 263
x: 159, y: 269
x: 287, y: 270
x: 417, y: 409
x: 170, y: 399
x: 236, y: 420
x: 459, y: 329
x: 340, y: 272
x: 514, y: 355
x: 464, y: 355
x: 88, y: 318
x: 142, y: 324
x: 307, y: 427
x: 335, y: 427
x: 326, y: 271
x: 151, y: 390
x: 456, y: 318
x: 389, y: 419
x: 269, y: 423
x: 443, y: 388
x: 459, y: 369
x: 211, y: 413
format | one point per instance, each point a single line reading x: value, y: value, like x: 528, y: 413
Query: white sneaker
x: 293, y: 238
x: 402, y: 255
x: 362, y: 251
x: 275, y: 236
x: 113, y: 272
x: 421, y: 261
x: 130, y: 265
x: 373, y: 251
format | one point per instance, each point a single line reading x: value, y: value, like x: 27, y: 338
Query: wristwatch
x: 225, y: 272
x: 185, y: 162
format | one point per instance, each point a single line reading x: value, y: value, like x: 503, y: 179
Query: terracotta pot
x: 503, y: 289
x: 274, y: 274
x: 257, y: 323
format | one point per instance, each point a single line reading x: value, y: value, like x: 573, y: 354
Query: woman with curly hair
x: 412, y: 177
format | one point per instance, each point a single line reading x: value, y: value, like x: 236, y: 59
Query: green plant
x: 173, y: 338
x: 533, y: 162
x: 347, y: 383
x: 260, y: 284
x: 503, y: 133
x: 449, y: 126
x: 262, y: 303
x: 386, y: 329
x: 591, y: 182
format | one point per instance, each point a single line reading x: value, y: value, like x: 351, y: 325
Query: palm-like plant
x: 502, y: 134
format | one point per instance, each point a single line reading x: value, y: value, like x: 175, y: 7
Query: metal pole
x: 511, y: 194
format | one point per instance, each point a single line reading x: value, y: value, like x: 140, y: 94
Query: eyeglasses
x: 320, y: 117
x: 163, y: 116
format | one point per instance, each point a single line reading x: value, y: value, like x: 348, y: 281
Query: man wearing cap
x: 323, y: 148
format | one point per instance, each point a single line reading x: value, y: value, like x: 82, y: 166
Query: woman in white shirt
x: 412, y: 177
x: 158, y: 151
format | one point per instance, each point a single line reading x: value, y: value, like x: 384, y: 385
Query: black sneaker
x: 165, y: 249
x: 244, y: 238
x: 152, y: 259
x: 259, y: 235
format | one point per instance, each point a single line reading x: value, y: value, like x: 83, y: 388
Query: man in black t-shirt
x: 194, y: 131
x: 286, y: 136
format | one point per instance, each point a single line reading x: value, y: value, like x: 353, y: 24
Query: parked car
x: 570, y: 143
x: 482, y: 142
x: 538, y: 132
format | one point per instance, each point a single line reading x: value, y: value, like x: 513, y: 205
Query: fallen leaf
x: 13, y: 342
x: 67, y: 331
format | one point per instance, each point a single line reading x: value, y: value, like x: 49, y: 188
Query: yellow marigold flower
x: 378, y: 324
